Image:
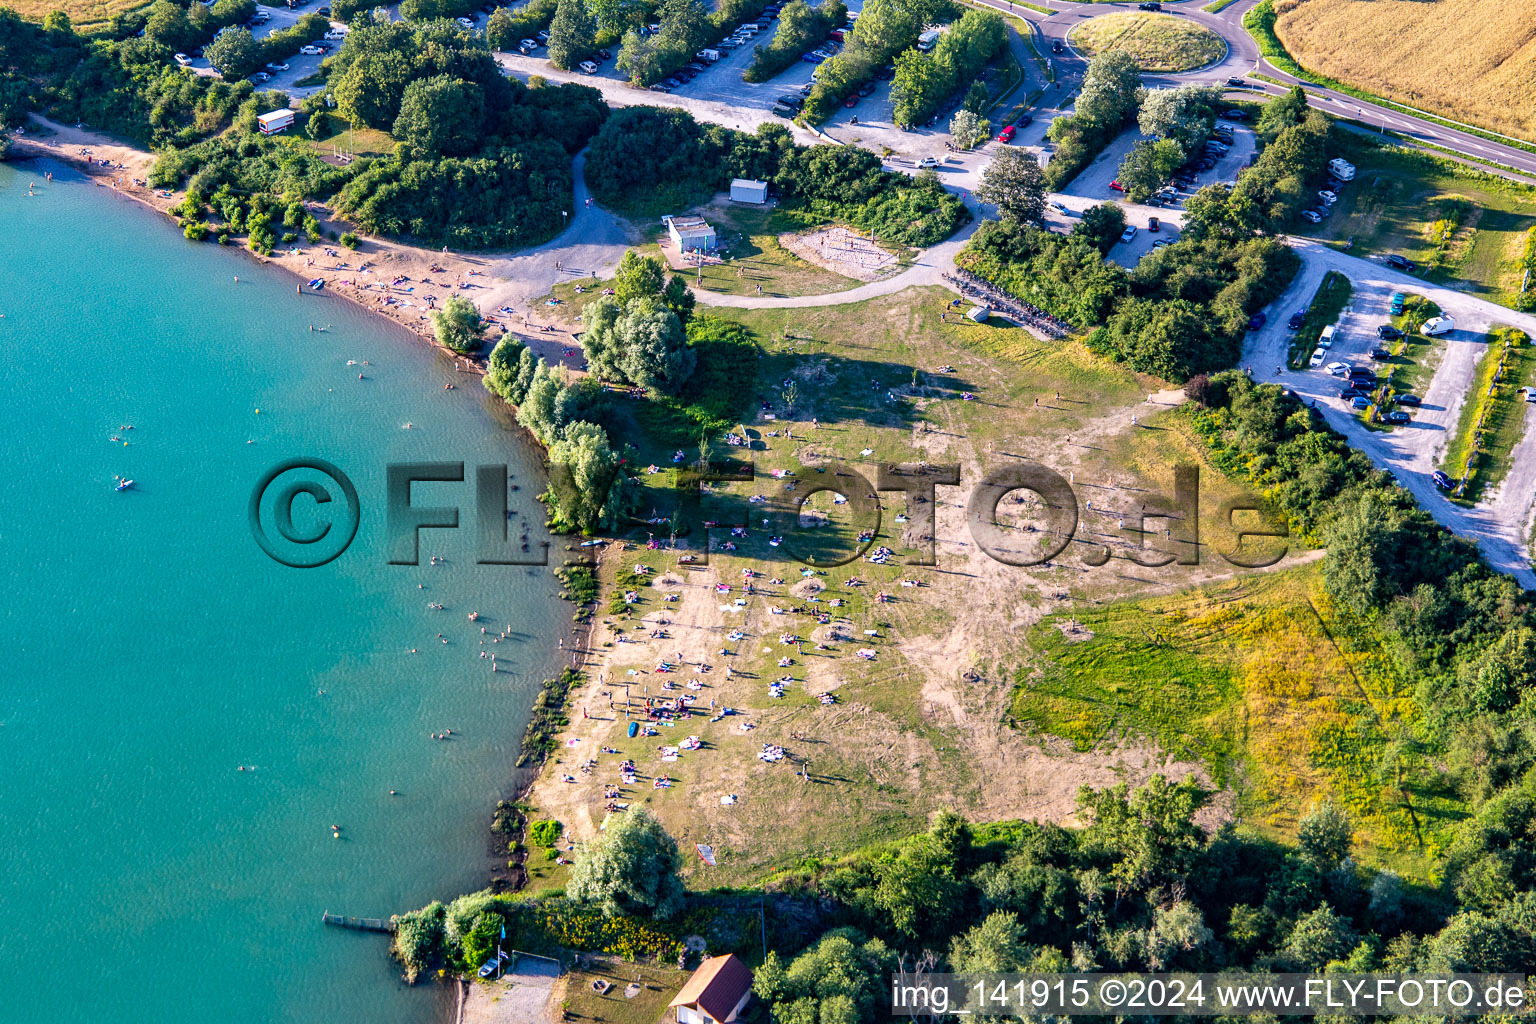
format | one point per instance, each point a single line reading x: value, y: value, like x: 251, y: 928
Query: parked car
x: 1236, y: 81
x: 1116, y: 186
x: 1328, y: 196
x: 1257, y: 320
x: 1206, y: 163
x: 867, y: 88
x: 261, y: 76
x: 1396, y: 305
x: 276, y: 66
x: 1007, y: 134
x: 1352, y: 392
x: 928, y: 161
x: 543, y: 35
x: 1153, y: 225
x: 1311, y: 216
x: 528, y: 44
x: 465, y: 22
x: 183, y: 59
x: 1413, y: 400
x: 1441, y: 480
x: 1363, y: 402
x: 603, y: 55
x: 1160, y: 243
x: 588, y: 67
x: 1397, y: 417
x: 1236, y: 115
x: 1438, y: 325
x: 1380, y: 354
x: 311, y: 50
x: 671, y: 83
x: 1129, y: 233
x: 1318, y: 355
x: 1386, y: 332
x: 1400, y: 262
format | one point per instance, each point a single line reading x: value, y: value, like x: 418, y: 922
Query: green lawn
x: 749, y: 238
x: 358, y: 142
x: 1493, y: 418
x: 1331, y: 298
x: 1415, y: 356
x: 1159, y: 42
x: 1457, y: 223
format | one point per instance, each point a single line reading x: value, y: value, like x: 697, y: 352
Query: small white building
x: 275, y: 122
x: 745, y: 190
x: 716, y: 993
x: 691, y: 233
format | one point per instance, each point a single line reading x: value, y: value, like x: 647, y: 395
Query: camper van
x: 1341, y: 169
x: 928, y: 40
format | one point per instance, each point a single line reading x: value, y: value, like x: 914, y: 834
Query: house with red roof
x: 716, y: 993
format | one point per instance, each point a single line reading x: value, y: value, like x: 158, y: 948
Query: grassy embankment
x: 1457, y: 223
x: 1331, y: 298
x: 1493, y: 418
x: 1158, y: 42
x: 1415, y: 355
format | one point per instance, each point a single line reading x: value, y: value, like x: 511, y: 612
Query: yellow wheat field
x: 1471, y: 60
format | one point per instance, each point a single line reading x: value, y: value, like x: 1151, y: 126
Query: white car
x: 1129, y: 233
x: 928, y: 161
x: 261, y: 76
x: 1312, y: 216
x: 183, y: 59
x: 1438, y: 325
x: 311, y: 50
x: 465, y: 22
x: 1328, y: 196
x: 588, y: 67
x: 1318, y: 355
x: 276, y: 66
x: 1337, y: 369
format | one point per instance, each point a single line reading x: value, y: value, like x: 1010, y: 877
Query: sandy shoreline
x: 363, y: 276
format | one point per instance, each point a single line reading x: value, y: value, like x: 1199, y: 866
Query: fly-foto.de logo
x: 305, y: 512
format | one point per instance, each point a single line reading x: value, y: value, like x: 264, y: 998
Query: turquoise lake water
x: 151, y: 648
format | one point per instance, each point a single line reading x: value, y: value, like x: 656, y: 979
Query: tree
x: 977, y: 97
x: 1109, y: 90
x: 1282, y: 112
x: 655, y: 353
x: 233, y: 53
x: 1148, y: 166
x: 967, y: 128
x: 595, y: 484
x: 1102, y: 225
x: 441, y: 116
x: 1185, y: 115
x: 1317, y: 938
x: 503, y: 368
x: 1014, y: 183
x: 839, y: 980
x: 995, y: 946
x: 458, y: 325
x: 570, y: 35
x: 168, y: 24
x: 372, y: 87
x: 632, y: 868
x: 1324, y: 835
x: 637, y: 277
x: 1150, y: 834
x: 917, y: 87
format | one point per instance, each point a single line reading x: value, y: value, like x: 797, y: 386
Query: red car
x: 1117, y: 186
x: 1006, y: 135
x: 852, y: 101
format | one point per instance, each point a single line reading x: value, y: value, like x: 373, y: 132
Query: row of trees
x: 686, y: 26
x: 884, y: 29
x: 186, y: 28
x: 235, y: 53
x: 923, y: 81
x: 801, y: 28
x: 664, y: 157
x: 1106, y: 102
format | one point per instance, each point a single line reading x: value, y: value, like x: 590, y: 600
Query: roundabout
x: 1159, y: 43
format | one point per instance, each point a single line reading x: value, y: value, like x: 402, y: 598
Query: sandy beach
x: 392, y: 279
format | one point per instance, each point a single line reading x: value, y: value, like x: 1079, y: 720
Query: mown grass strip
x: 1329, y: 302
x: 1493, y: 419
x: 1219, y: 5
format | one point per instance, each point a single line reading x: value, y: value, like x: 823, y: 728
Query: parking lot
x: 300, y: 66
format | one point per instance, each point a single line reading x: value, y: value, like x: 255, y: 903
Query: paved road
x: 1501, y: 523
x: 1243, y: 59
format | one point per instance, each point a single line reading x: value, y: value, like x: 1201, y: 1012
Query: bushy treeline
x: 884, y: 29
x: 1144, y: 888
x: 1106, y: 102
x: 685, y: 27
x: 801, y: 28
x: 1183, y: 310
x: 1279, y: 185
x: 1177, y: 123
x: 654, y: 157
x: 924, y: 81
x: 1461, y: 633
x: 186, y: 27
